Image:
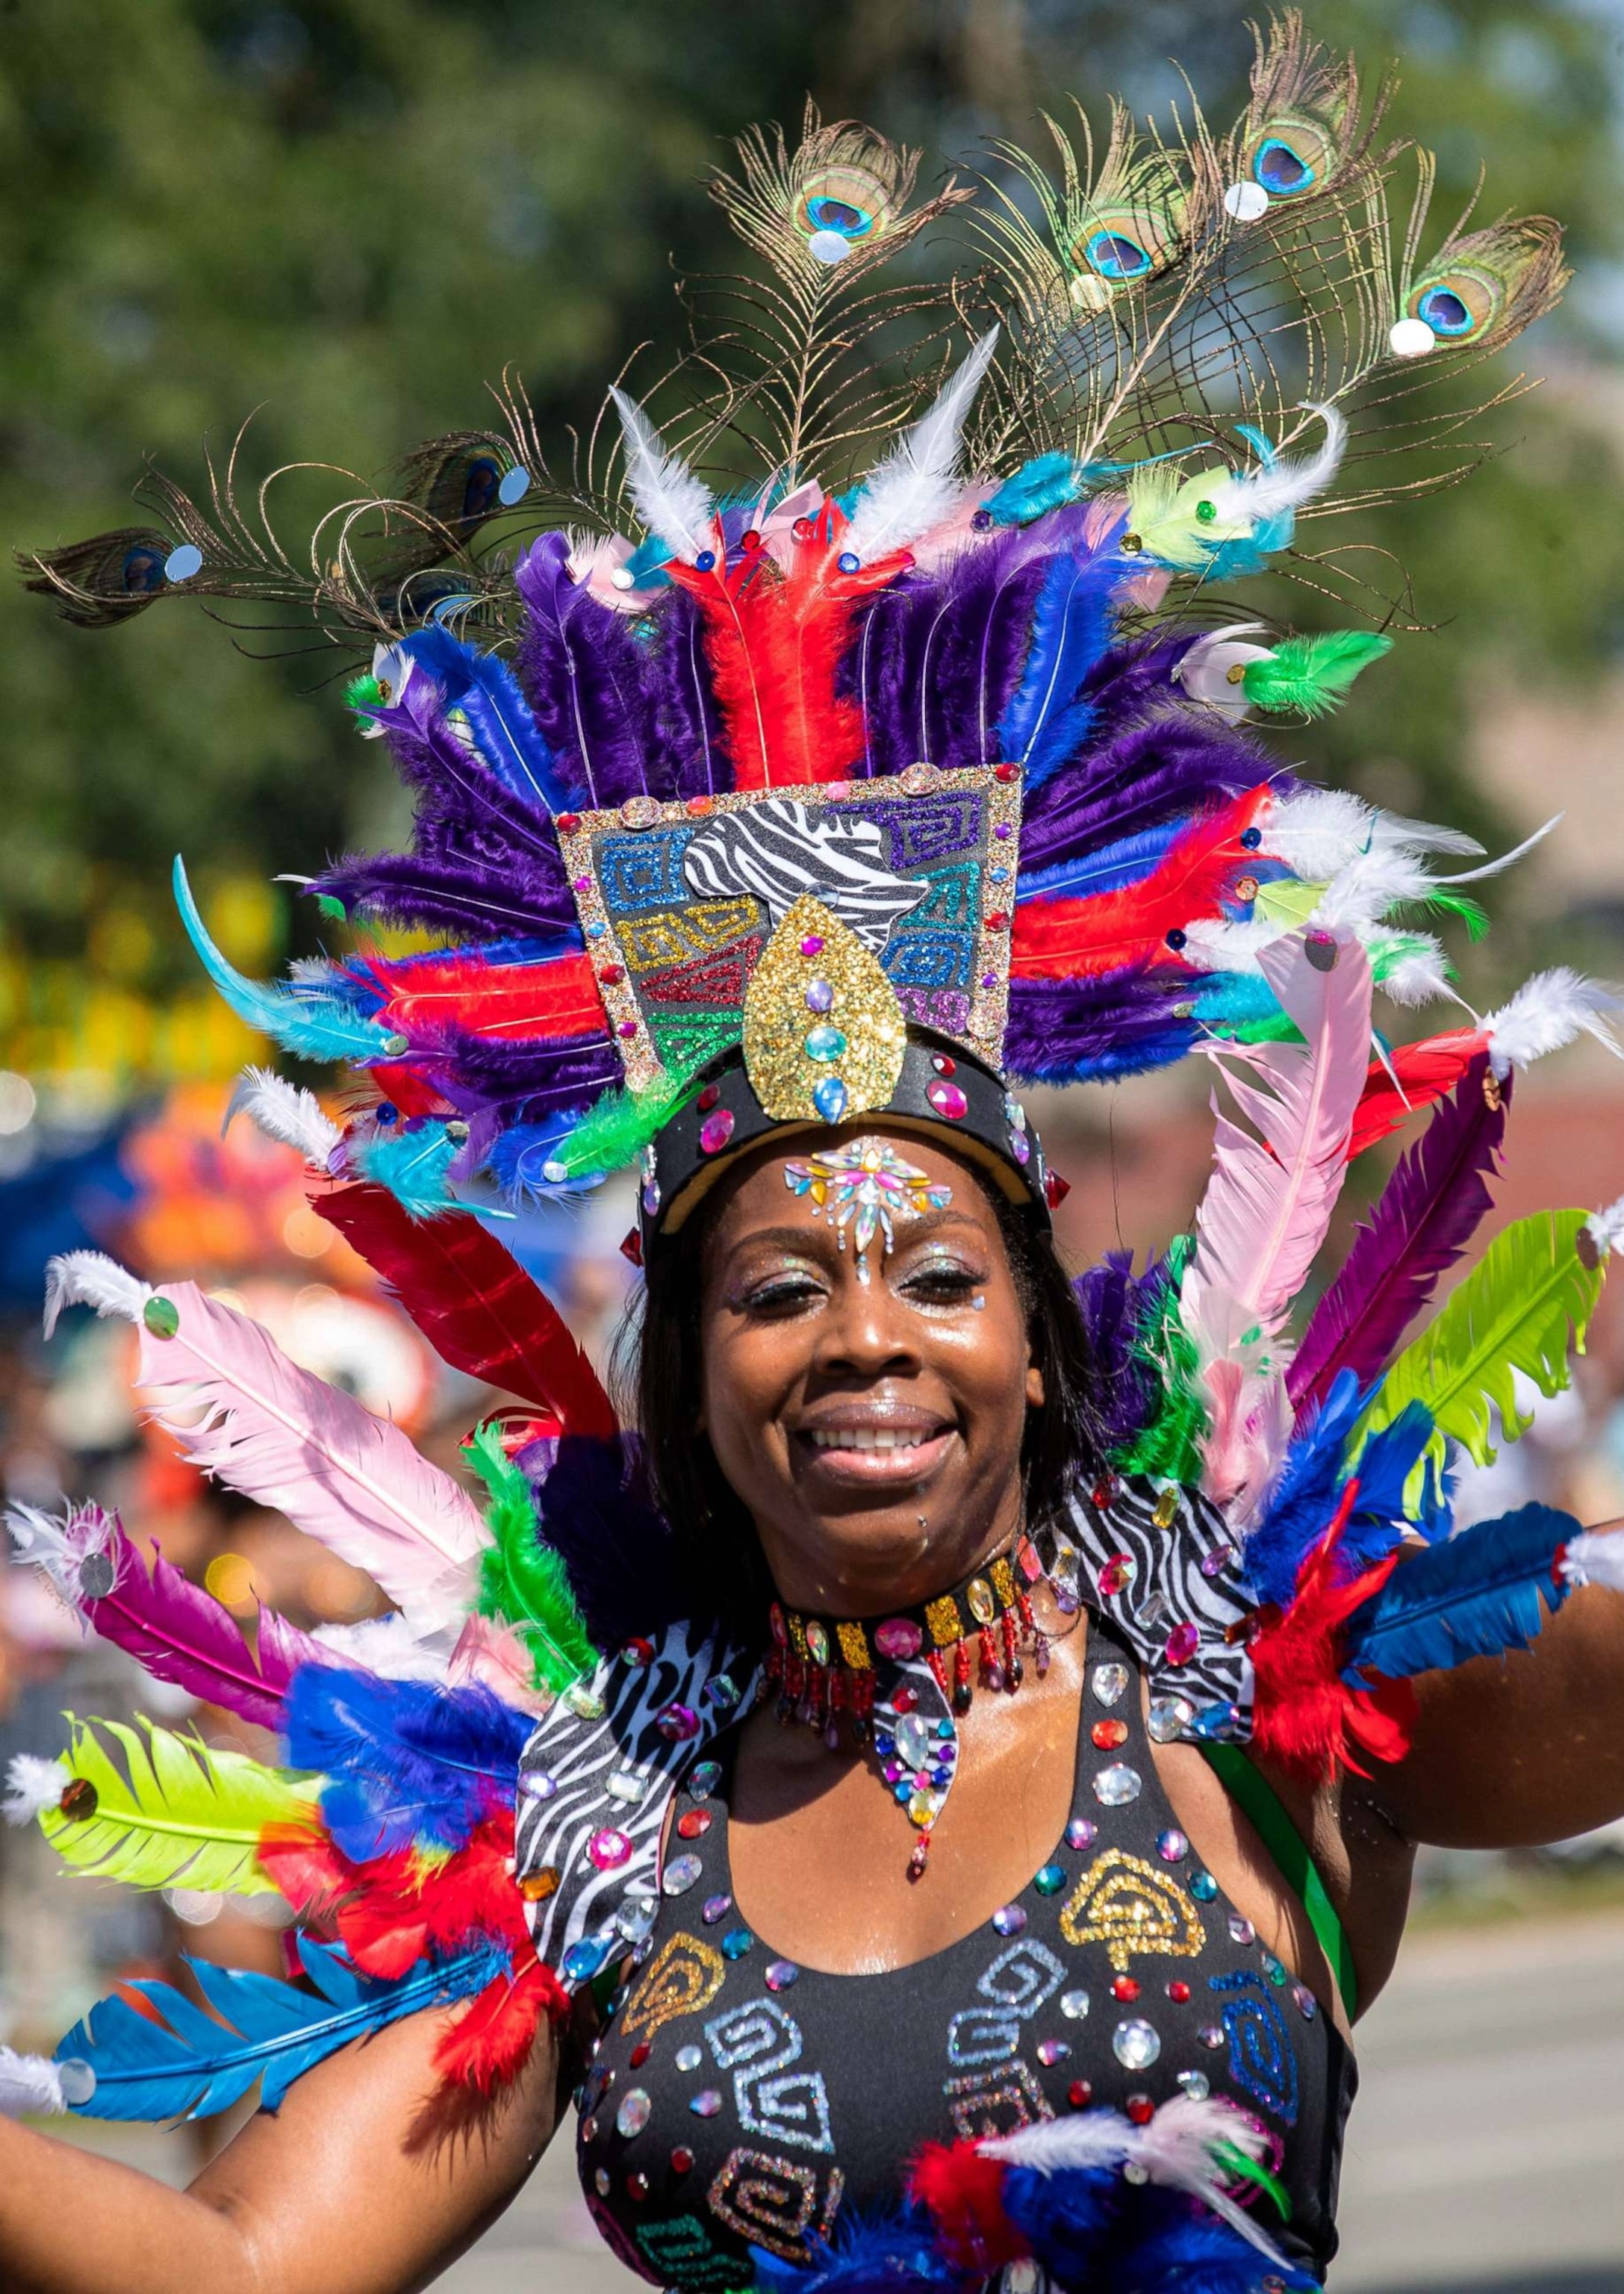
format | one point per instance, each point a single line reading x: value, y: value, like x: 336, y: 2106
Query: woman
x: 940, y: 1795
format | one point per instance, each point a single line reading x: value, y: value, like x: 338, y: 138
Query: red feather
x: 474, y: 1302
x: 490, y: 2039
x: 1305, y: 1717
x: 1071, y: 938
x: 424, y: 994
x: 963, y: 2194
x: 775, y: 643
x: 1425, y: 1070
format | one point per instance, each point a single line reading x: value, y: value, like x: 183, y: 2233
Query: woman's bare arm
x: 1511, y: 1752
x: 359, y: 2184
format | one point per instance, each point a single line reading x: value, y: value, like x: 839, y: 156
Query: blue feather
x: 1476, y: 1595
x: 1167, y: 2246
x: 1232, y: 998
x: 413, y: 1164
x: 312, y: 1024
x: 873, y: 2256
x: 1045, y: 722
x: 1048, y: 482
x: 1064, y: 2216
x: 1108, y: 870
x: 272, y: 2031
x: 482, y: 686
x: 405, y: 1762
x: 1303, y: 1503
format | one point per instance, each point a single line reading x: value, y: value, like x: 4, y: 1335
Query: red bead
x: 1079, y: 2094
x: 1125, y: 1988
x: 1006, y: 773
x: 694, y: 1823
x: 802, y: 529
x: 1108, y: 1734
x: 1055, y: 1188
x: 1178, y: 1992
x: 944, y: 1064
x: 640, y: 2054
x: 905, y: 1699
x: 708, y: 1098
x: 631, y: 1246
x: 1141, y: 2110
x: 638, y: 1652
x: 700, y: 805
x: 997, y: 922
x: 750, y: 538
x: 682, y: 2161
x: 568, y: 821
x: 611, y: 975
x: 637, y: 2186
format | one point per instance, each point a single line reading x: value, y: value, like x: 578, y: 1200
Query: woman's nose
x: 869, y: 1328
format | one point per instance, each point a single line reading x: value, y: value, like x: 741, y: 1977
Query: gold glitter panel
x: 862, y: 1025
x: 943, y: 1618
x: 684, y: 1975
x: 854, y: 1647
x: 1133, y: 1910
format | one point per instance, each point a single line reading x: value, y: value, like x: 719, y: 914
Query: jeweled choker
x: 902, y: 1679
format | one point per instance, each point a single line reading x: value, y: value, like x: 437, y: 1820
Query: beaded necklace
x: 902, y: 1680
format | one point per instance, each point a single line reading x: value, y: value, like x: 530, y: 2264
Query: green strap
x: 1257, y: 1799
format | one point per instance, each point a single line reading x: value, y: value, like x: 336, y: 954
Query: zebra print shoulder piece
x: 595, y: 1781
x: 1162, y: 1566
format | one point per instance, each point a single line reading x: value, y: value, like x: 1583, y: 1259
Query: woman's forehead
x: 791, y: 1183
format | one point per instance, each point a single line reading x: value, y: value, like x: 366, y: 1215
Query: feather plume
x: 1072, y: 937
x: 479, y: 692
x: 1549, y: 1012
x: 523, y: 1581
x: 313, y: 1025
x: 284, y: 1112
x: 1049, y: 716
x: 1531, y: 1294
x: 89, y: 1278
x: 1282, y: 487
x: 867, y: 2256
x: 672, y: 503
x: 386, y: 1646
x: 405, y: 1762
x: 180, y: 1813
x: 1485, y: 1590
x: 629, y: 1570
x: 1592, y: 1558
x: 911, y: 487
x: 475, y: 1304
x: 1311, y: 674
x: 189, y: 2064
x: 32, y: 1786
x: 31, y: 2086
x: 1427, y: 1214
x: 413, y: 1163
x: 288, y: 1440
x: 1411, y: 1076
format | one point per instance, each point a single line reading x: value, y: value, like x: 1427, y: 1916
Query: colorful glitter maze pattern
x: 925, y: 829
x: 643, y: 871
x: 683, y: 1976
x: 1133, y: 1910
x: 1261, y: 2058
x: 757, y: 2042
x: 773, y: 2202
x: 1016, y: 1983
x: 985, y: 2103
x: 674, y: 936
x: 681, y: 2255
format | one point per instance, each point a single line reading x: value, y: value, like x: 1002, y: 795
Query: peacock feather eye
x: 1460, y: 305
x: 1117, y: 256
x: 482, y: 487
x: 1292, y: 157
x: 846, y: 202
x: 144, y: 570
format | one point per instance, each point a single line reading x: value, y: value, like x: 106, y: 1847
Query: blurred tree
x: 349, y: 213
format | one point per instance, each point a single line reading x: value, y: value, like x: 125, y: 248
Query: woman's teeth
x: 867, y: 1437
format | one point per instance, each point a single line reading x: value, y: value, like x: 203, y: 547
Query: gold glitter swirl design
x: 772, y: 2203
x: 986, y: 2104
x: 684, y: 1975
x: 777, y: 1021
x: 1133, y: 1910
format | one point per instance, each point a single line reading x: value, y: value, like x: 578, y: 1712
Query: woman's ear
x: 1035, y: 1386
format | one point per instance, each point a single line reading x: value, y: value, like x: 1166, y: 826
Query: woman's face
x: 873, y: 1428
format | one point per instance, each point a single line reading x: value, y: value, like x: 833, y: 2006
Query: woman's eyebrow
x: 822, y: 1231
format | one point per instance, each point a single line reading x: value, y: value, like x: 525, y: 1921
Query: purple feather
x: 583, y: 673
x: 463, y: 896
x: 1172, y: 762
x: 629, y: 1572
x: 1120, y: 1023
x: 936, y: 656
x: 182, y: 1634
x: 688, y: 730
x: 524, y: 1076
x: 1115, y: 1304
x: 1427, y: 1214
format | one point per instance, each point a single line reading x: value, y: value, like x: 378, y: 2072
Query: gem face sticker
x: 865, y: 1187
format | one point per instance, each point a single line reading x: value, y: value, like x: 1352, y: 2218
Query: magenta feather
x: 1427, y: 1214
x: 247, y: 1415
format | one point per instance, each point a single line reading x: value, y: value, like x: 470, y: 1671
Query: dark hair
x: 1058, y: 1453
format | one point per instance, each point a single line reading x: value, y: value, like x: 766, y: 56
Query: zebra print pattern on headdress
x: 577, y: 1755
x: 780, y: 852
x: 1186, y: 1573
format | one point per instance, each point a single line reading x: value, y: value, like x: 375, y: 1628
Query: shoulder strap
x: 1257, y: 1799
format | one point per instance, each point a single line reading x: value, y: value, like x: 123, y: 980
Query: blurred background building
x: 343, y: 218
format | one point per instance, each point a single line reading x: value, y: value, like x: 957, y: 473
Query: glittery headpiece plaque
x: 810, y: 923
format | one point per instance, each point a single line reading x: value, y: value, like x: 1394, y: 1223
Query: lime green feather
x: 618, y: 1128
x: 1311, y: 674
x: 523, y: 1581
x: 364, y: 693
x: 178, y: 1813
x: 1287, y: 902
x: 1167, y: 1448
x: 1471, y: 912
x: 1519, y: 1310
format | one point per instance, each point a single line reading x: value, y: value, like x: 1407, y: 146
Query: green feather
x: 1471, y: 912
x: 1312, y: 674
x: 619, y: 1128
x: 1168, y: 1447
x: 523, y: 1581
x: 180, y: 1813
x: 364, y: 693
x: 1518, y: 1310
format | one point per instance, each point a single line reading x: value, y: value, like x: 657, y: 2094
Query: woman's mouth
x: 864, y: 1454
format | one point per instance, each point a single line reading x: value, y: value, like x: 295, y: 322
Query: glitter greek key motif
x: 757, y: 2042
x: 683, y: 1976
x: 1133, y: 1910
x: 759, y: 2032
x: 1023, y: 1976
x: 983, y: 2035
x: 772, y: 2203
x: 683, y: 2255
x: 985, y: 2103
x: 1261, y: 2059
x: 670, y: 935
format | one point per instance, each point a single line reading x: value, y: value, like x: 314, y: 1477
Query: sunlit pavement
x: 1486, y: 2153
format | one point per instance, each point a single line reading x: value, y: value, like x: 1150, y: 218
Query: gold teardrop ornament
x: 820, y: 1013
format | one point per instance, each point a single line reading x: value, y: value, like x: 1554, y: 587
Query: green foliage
x: 522, y: 1580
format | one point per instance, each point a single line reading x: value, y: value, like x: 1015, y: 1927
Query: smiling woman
x: 939, y: 1788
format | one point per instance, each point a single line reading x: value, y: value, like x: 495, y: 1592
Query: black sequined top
x: 738, y: 2100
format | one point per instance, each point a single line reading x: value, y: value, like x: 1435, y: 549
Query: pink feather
x: 284, y: 1438
x: 1270, y: 1199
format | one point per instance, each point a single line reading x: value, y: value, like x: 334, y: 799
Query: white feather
x: 32, y: 1786
x: 1049, y: 2146
x: 1595, y: 1558
x: 671, y: 501
x: 1424, y: 836
x: 60, y: 1544
x: 1374, y: 882
x: 1213, y: 944
x: 1317, y: 832
x: 1285, y: 486
x: 389, y: 1645
x: 1421, y: 975
x: 1549, y: 1010
x: 31, y: 2086
x: 286, y: 1112
x: 89, y: 1278
x: 1177, y: 2150
x: 913, y: 487
x: 1506, y: 860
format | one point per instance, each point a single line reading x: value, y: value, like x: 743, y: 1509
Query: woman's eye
x: 940, y: 1284
x: 784, y: 1294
